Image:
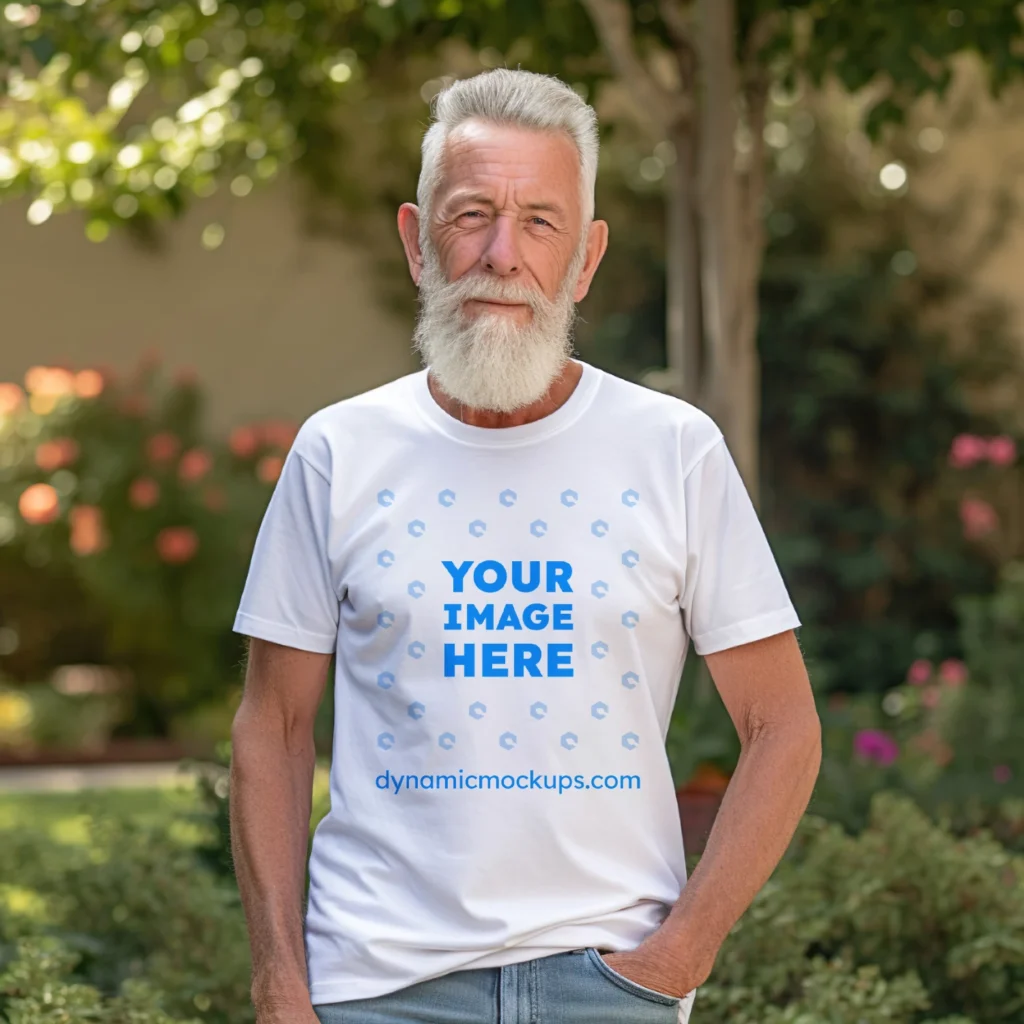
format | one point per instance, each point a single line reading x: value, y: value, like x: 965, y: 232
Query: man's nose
x: 501, y: 255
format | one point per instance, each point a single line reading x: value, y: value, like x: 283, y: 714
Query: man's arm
x: 272, y: 764
x: 767, y: 692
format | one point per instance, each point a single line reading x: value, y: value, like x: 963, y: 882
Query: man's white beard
x: 491, y: 362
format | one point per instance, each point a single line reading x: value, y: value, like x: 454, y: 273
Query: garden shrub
x: 38, y: 987
x: 905, y: 923
x: 125, y: 534
x: 130, y: 902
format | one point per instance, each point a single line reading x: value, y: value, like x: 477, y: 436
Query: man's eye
x: 471, y: 213
x: 541, y: 220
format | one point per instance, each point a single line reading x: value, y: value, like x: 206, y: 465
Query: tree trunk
x: 730, y: 393
x: 684, y: 329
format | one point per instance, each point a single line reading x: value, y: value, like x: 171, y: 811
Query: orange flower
x: 268, y: 469
x: 144, y: 492
x: 88, y: 383
x: 279, y: 433
x: 11, y: 398
x: 39, y: 504
x: 244, y: 442
x: 186, y: 377
x: 177, y: 544
x: 162, y: 447
x: 194, y: 465
x: 215, y: 499
x: 134, y: 405
x: 51, y: 455
x: 49, y: 380
x: 87, y: 533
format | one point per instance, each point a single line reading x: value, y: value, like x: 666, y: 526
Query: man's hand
x: 768, y: 695
x: 654, y: 970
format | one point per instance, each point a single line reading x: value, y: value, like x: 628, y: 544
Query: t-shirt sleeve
x: 289, y: 597
x: 733, y: 591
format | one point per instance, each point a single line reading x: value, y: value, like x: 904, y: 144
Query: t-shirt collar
x: 500, y: 437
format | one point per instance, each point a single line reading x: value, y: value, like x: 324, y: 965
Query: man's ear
x: 409, y: 231
x: 597, y: 243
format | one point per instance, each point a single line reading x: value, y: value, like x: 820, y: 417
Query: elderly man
x: 509, y: 552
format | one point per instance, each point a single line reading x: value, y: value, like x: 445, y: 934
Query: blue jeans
x: 564, y: 988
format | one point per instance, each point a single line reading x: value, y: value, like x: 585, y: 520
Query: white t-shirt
x: 510, y: 609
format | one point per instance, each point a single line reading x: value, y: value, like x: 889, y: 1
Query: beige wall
x: 274, y: 322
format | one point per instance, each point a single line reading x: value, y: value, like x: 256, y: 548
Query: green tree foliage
x: 127, y: 110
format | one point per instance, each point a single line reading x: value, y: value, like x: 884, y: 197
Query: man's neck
x: 561, y: 388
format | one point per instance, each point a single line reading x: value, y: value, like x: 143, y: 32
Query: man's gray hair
x: 518, y: 98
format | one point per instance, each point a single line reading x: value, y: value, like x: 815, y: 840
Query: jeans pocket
x: 627, y: 983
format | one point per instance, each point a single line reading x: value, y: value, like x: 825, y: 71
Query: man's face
x: 500, y: 273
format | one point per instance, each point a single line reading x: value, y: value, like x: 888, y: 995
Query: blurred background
x: 816, y: 236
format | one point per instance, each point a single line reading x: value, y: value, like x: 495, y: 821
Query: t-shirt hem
x: 745, y: 632
x: 288, y: 636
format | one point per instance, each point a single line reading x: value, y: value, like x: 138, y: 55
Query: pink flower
x: 268, y: 469
x: 978, y: 517
x: 919, y: 672
x: 1002, y: 450
x: 87, y: 532
x: 177, y: 544
x: 953, y: 672
x: 51, y: 455
x: 966, y: 450
x: 144, y: 492
x: 875, y: 745
x: 39, y: 504
x: 162, y: 447
x: 244, y: 442
x: 1002, y: 773
x: 194, y: 465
